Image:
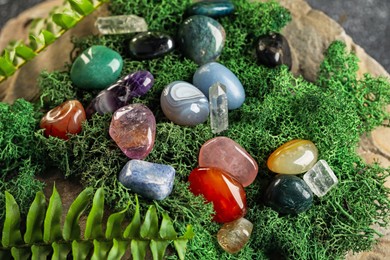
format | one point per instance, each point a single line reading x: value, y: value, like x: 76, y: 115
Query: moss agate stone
x: 133, y: 128
x: 288, y: 194
x: 201, y: 38
x: 150, y: 45
x: 294, y: 157
x: 97, y: 67
x: 273, y: 50
x: 226, y: 154
x: 213, y: 72
x: 184, y: 104
x: 233, y: 236
x: 150, y: 180
x: 216, y: 8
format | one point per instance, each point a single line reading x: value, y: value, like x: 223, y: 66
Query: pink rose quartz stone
x: 133, y: 128
x: 224, y: 153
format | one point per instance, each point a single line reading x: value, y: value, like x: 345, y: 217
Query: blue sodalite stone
x: 216, y: 8
x: 184, y: 104
x: 213, y: 72
x: 201, y: 38
x: 150, y: 180
x: 150, y: 45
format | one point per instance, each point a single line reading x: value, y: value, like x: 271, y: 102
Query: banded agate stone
x: 184, y: 104
x: 64, y: 119
x: 96, y: 68
x: 218, y: 187
x: 150, y: 45
x: 294, y: 157
x: 288, y: 194
x: 226, y: 154
x: 133, y: 128
x: 233, y: 236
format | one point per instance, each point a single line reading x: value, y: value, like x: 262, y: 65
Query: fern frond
x: 45, y: 236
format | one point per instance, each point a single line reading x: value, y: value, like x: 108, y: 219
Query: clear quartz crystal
x: 320, y: 178
x: 218, y: 108
x: 121, y: 24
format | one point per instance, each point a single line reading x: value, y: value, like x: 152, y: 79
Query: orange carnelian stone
x: 64, y: 119
x: 225, y: 192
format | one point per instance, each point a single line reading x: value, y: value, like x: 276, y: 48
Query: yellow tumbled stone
x: 294, y: 157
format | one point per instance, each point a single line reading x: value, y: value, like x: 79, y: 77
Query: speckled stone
x: 150, y: 180
x: 233, y: 236
x: 97, y: 67
x: 216, y: 8
x: 150, y: 45
x: 273, y: 50
x: 133, y: 128
x: 184, y: 104
x: 201, y: 38
x: 213, y: 72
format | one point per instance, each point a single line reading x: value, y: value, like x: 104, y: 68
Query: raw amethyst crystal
x: 121, y: 93
x: 133, y: 128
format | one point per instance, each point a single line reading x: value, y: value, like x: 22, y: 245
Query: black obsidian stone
x: 288, y: 194
x: 273, y: 50
x: 150, y: 45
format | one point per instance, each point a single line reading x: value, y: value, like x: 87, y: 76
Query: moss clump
x: 332, y: 112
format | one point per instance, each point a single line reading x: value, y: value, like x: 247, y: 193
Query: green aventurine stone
x: 96, y: 68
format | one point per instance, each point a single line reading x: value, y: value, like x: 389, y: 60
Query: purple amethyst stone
x: 121, y: 93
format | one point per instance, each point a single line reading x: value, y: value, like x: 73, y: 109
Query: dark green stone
x: 201, y: 38
x: 96, y: 68
x: 288, y: 194
x: 216, y: 8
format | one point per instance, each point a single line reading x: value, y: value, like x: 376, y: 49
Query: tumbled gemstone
x: 64, y: 119
x: 224, y: 153
x: 218, y: 187
x: 216, y: 8
x: 96, y: 68
x: 320, y: 178
x: 184, y: 104
x: 150, y: 180
x: 120, y: 24
x: 201, y: 38
x: 208, y: 74
x: 288, y: 194
x: 133, y: 128
x: 273, y: 50
x: 233, y: 236
x: 219, y: 114
x: 294, y: 157
x: 149, y: 45
x: 121, y: 93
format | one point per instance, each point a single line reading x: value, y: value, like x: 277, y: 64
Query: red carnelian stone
x: 225, y: 192
x: 64, y: 119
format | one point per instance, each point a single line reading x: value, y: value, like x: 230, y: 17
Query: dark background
x: 366, y: 21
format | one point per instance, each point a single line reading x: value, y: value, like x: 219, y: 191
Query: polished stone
x: 288, y: 194
x: 213, y: 72
x: 150, y: 180
x: 184, y: 104
x: 216, y: 8
x: 320, y: 178
x: 97, y: 67
x: 150, y: 45
x: 294, y: 157
x: 219, y: 114
x: 121, y: 24
x: 273, y: 50
x: 201, y: 38
x: 121, y: 93
x: 233, y: 236
x: 64, y: 119
x: 226, y: 154
x: 133, y: 128
x: 225, y: 192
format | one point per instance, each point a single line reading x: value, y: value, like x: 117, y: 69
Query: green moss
x: 332, y: 112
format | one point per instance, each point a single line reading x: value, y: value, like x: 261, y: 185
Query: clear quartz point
x: 121, y: 24
x: 218, y: 108
x: 320, y: 178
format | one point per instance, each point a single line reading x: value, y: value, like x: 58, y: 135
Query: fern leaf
x: 133, y: 228
x: 40, y: 252
x: 93, y: 228
x: 35, y: 218
x: 20, y: 253
x: 138, y: 249
x: 158, y: 248
x: 100, y: 249
x: 81, y: 249
x: 83, y: 7
x: 11, y: 230
x: 181, y: 243
x: 118, y: 249
x: 149, y: 228
x: 52, y: 224
x: 114, y: 224
x: 60, y: 251
x: 166, y: 229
